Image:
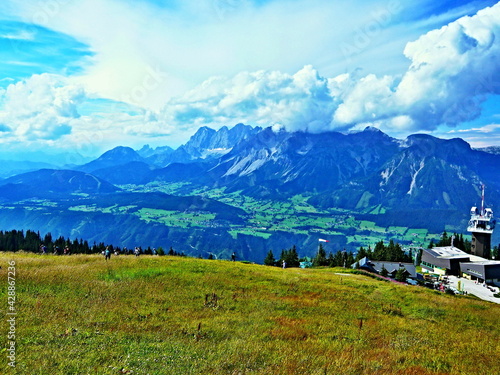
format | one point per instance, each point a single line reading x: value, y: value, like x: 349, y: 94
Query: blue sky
x: 90, y: 75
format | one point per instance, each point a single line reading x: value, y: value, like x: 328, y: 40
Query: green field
x: 166, y: 315
x: 264, y: 217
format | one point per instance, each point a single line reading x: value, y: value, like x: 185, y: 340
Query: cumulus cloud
x: 452, y: 71
x: 48, y: 110
x: 153, y: 57
x: 299, y: 101
x: 40, y: 107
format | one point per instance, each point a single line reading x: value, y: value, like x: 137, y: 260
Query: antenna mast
x: 482, y: 200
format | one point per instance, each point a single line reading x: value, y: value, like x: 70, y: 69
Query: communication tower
x: 481, y: 224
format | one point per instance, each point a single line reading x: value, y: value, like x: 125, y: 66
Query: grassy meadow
x: 168, y: 315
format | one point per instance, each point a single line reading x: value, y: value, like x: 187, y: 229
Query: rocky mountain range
x: 422, y: 179
x: 352, y: 171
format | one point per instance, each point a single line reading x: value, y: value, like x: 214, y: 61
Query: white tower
x: 481, y: 225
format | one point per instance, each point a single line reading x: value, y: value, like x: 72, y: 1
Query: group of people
x: 57, y: 250
x: 137, y: 251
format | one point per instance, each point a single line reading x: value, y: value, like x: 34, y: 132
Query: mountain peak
x: 372, y: 129
x: 117, y: 156
x: 120, y: 152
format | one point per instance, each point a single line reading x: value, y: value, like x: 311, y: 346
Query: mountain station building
x: 391, y: 267
x: 449, y: 260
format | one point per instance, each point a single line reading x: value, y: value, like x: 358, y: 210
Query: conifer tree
x: 400, y: 275
x: 384, y: 272
x: 270, y: 260
x: 320, y: 259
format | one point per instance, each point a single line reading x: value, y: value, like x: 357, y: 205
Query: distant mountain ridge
x: 491, y: 150
x: 10, y: 168
x: 52, y: 183
x: 352, y: 171
x: 418, y: 182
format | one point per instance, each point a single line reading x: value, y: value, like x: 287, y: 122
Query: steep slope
x: 428, y: 182
x: 437, y: 173
x: 291, y: 163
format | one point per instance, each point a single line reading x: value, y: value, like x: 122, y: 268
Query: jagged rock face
x: 435, y: 173
x: 360, y: 170
x: 299, y: 162
x: 208, y: 143
x: 150, y: 153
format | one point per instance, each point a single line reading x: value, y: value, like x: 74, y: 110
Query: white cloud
x: 452, y: 71
x: 490, y: 128
x: 40, y: 107
x: 196, y: 39
x: 43, y: 111
x: 155, y: 57
x: 299, y: 101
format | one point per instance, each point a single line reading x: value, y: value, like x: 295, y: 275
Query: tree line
x: 33, y: 242
x: 391, y: 253
x: 458, y: 241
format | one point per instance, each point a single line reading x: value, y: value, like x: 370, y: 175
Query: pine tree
x: 331, y: 260
x: 384, y: 272
x: 361, y: 253
x: 379, y: 253
x: 349, y: 259
x: 270, y: 260
x: 401, y: 275
x: 293, y: 257
x: 320, y: 259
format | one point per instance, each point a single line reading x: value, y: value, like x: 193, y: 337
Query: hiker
x: 137, y: 251
x: 284, y: 264
x: 66, y: 250
x: 56, y: 250
x: 233, y: 257
x: 107, y: 253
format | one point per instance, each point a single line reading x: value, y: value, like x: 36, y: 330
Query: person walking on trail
x: 284, y: 264
x: 107, y: 253
x: 233, y: 257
